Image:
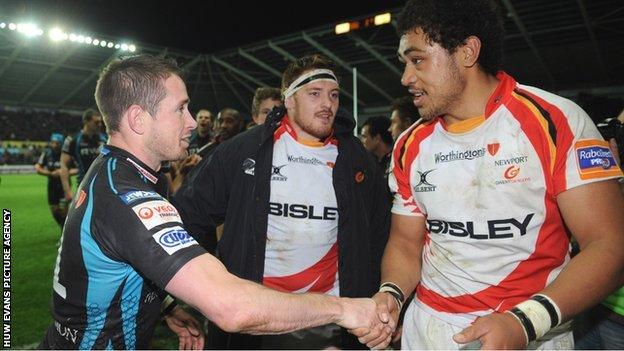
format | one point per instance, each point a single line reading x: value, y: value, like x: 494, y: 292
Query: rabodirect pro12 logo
x: 595, y: 159
x: 173, y: 239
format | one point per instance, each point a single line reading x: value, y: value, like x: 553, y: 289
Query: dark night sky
x: 199, y: 26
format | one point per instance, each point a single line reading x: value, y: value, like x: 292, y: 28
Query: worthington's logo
x: 457, y: 155
x: 305, y: 160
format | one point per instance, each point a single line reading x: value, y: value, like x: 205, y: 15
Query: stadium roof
x: 566, y: 46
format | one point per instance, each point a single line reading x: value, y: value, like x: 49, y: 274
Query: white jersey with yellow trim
x: 301, y: 247
x: 488, y: 189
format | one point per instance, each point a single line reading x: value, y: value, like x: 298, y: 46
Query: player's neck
x: 479, y: 87
x: 136, y: 150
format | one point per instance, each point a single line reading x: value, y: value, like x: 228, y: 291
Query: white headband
x: 317, y: 74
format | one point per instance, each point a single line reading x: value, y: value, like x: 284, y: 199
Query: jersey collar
x: 502, y: 93
x: 141, y: 167
x: 286, y: 127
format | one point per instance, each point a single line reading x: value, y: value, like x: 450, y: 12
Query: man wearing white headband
x: 304, y: 207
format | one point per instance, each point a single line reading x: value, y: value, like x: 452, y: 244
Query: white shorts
x: 423, y: 331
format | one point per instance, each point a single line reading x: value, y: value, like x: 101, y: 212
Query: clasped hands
x: 372, y: 321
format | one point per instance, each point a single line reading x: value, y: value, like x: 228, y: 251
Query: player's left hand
x: 187, y: 328
x: 494, y: 331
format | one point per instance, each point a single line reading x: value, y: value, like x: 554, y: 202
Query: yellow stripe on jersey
x: 310, y: 143
x: 465, y: 125
x: 407, y: 144
x: 544, y: 123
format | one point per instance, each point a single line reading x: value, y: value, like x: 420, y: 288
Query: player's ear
x: 469, y: 51
x: 136, y: 117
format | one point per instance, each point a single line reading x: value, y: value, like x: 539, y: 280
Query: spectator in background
x: 230, y: 123
x: 377, y: 140
x: 265, y: 98
x: 204, y: 134
x: 48, y: 165
x: 403, y: 115
x: 83, y: 147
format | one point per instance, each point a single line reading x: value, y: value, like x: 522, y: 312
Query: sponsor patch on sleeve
x: 154, y: 213
x: 173, y: 239
x: 595, y: 159
x: 133, y: 196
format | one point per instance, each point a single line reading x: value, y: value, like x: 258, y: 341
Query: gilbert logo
x: 424, y: 185
x: 493, y: 148
x: 512, y: 172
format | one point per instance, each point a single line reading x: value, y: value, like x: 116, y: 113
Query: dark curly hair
x: 450, y: 22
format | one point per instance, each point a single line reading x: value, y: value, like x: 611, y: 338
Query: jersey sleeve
x: 587, y: 158
x: 68, y: 145
x: 399, y: 183
x: 147, y: 232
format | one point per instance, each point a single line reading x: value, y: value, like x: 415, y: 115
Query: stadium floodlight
x: 124, y: 47
x: 29, y: 29
x: 12, y: 26
x: 96, y: 42
x: 88, y: 40
x: 117, y: 46
x: 103, y: 43
x: 110, y: 44
x: 2, y: 25
x: 57, y: 34
x: 132, y: 48
x: 343, y: 28
x: 383, y: 18
x: 81, y: 39
x: 73, y: 37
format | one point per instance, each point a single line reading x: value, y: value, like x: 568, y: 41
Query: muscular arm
x: 594, y: 213
x: 64, y: 171
x: 401, y: 263
x: 238, y: 305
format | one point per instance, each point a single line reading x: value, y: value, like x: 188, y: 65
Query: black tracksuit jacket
x: 233, y: 186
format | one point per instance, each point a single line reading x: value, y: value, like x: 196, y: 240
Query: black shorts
x: 55, y: 191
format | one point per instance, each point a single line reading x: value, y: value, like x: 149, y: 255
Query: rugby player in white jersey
x: 486, y: 184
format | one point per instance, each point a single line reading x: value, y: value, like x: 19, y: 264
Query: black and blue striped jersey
x: 122, y: 243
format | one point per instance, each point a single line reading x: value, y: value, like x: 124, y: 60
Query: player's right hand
x: 360, y: 317
x: 387, y: 309
x: 68, y: 196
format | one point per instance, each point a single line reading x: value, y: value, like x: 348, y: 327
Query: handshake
x: 372, y: 321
